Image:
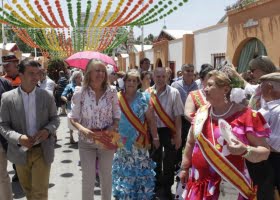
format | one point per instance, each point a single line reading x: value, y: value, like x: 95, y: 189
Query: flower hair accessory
x: 237, y: 94
x: 230, y: 72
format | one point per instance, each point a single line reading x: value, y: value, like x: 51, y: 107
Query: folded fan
x: 108, y: 139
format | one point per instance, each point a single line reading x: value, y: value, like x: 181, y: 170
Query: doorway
x: 251, y: 49
x: 158, y: 63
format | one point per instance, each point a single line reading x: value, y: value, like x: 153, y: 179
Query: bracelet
x: 244, y: 153
x: 248, y: 152
x: 156, y: 138
x: 184, y: 168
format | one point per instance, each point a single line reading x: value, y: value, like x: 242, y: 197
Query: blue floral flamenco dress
x: 133, y: 170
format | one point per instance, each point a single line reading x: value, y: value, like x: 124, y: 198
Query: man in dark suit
x: 5, y: 186
x: 28, y: 120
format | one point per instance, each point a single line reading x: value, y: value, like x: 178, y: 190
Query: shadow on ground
x: 11, y: 172
x: 97, y: 192
x: 67, y: 151
x: 67, y: 175
x: 66, y: 161
x: 73, y: 146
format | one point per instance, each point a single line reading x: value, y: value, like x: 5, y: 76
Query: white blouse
x: 92, y: 114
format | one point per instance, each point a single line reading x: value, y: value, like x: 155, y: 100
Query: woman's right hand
x: 156, y: 143
x: 86, y: 132
x: 184, y: 176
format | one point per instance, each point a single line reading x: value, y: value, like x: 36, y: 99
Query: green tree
x: 138, y: 40
x: 54, y: 66
x: 120, y: 33
x: 147, y: 40
x: 13, y: 38
x: 151, y: 37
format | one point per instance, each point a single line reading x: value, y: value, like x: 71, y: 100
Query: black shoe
x: 157, y: 193
x: 15, y: 178
x: 168, y: 194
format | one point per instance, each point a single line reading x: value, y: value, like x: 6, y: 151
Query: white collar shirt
x: 29, y: 103
x: 271, y: 113
x: 171, y: 102
x: 48, y: 85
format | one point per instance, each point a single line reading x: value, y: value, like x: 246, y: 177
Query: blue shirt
x: 68, y: 93
x: 184, y: 89
x: 139, y: 107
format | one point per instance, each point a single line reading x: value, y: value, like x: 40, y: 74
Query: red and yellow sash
x: 143, y: 139
x: 197, y: 99
x: 216, y: 159
x: 161, y: 112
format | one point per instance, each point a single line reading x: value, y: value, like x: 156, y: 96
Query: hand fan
x: 226, y: 131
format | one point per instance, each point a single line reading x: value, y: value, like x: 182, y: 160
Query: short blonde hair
x: 133, y: 73
x: 220, y: 78
x: 90, y: 66
x: 74, y: 75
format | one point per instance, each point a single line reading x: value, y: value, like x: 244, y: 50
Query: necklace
x: 222, y: 115
x: 212, y: 131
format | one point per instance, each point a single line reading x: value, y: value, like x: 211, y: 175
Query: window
x: 217, y: 59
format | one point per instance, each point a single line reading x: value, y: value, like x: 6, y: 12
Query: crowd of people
x: 160, y: 126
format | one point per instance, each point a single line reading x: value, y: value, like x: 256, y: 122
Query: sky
x: 194, y: 15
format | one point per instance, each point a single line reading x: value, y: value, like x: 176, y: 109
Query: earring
x: 225, y: 98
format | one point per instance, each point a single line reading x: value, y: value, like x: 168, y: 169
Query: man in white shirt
x: 28, y: 120
x: 270, y: 90
x: 258, y: 67
x: 168, y: 101
x: 45, y: 82
x: 259, y: 172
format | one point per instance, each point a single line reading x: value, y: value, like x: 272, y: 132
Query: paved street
x: 66, y: 177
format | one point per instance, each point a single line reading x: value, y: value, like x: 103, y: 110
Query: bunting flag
x: 66, y: 27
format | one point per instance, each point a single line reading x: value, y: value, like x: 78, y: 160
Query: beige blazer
x: 13, y: 123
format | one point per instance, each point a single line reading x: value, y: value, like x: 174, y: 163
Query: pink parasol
x: 81, y: 59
